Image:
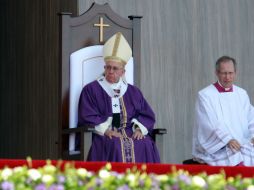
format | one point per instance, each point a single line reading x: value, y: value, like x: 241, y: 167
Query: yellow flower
x: 230, y: 179
x: 49, y: 169
x: 108, y: 166
x: 247, y: 181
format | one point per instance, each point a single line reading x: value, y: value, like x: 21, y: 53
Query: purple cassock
x: 95, y: 107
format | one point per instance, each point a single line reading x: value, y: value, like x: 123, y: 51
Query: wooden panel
x: 7, y: 68
x: 181, y: 41
x: 29, y: 78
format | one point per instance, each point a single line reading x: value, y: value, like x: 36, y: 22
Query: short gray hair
x: 224, y: 59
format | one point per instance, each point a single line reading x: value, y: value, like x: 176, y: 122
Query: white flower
x: 89, y: 174
x: 34, y: 174
x: 47, y: 179
x: 120, y: 176
x: 130, y: 178
x: 104, y: 174
x: 18, y: 169
x: 6, y: 173
x: 162, y: 178
x: 250, y: 187
x: 82, y: 172
x: 198, y: 181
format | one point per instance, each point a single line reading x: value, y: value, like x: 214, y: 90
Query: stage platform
x: 150, y: 168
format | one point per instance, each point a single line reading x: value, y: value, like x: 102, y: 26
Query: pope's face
x: 113, y: 71
x: 226, y: 74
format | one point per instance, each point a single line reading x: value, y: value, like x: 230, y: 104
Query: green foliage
x: 50, y: 177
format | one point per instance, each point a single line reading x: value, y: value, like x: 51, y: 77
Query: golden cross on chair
x: 101, y: 25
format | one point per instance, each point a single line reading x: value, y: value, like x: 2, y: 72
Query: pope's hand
x: 137, y: 134
x: 112, y: 133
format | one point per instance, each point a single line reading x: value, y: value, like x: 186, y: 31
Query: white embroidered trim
x: 109, y: 87
x: 115, y: 105
x: 101, y: 128
x: 121, y: 85
x: 140, y: 125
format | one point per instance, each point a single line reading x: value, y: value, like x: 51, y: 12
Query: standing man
x: 119, y: 112
x: 224, y: 128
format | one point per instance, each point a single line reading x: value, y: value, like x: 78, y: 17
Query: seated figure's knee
x: 114, y: 143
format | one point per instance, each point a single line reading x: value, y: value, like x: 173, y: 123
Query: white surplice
x: 221, y: 117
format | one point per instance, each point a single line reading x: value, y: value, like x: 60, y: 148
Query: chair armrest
x: 157, y: 135
x: 85, y: 134
x: 85, y: 129
x: 158, y: 131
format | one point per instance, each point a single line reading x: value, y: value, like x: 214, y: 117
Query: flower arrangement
x: 51, y: 177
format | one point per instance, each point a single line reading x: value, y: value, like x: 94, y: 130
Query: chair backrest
x: 86, y: 65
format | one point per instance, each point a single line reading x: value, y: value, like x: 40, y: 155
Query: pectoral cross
x: 101, y: 25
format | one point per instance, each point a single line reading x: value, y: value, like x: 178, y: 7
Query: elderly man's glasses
x: 115, y: 69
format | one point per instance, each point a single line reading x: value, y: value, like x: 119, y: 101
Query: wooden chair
x: 90, y: 30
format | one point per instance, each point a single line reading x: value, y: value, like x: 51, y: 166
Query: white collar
x: 226, y: 89
x: 109, y: 88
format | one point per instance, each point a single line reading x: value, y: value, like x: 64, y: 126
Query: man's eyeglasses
x: 115, y: 69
